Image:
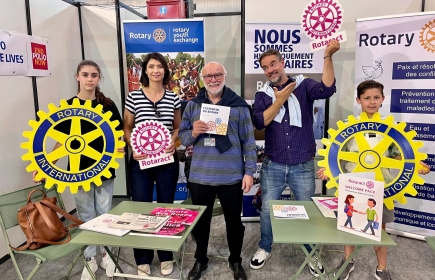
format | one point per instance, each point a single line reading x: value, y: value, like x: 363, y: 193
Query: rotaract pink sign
x: 151, y: 138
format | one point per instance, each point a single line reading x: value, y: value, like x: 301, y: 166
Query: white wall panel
x: 100, y: 43
x: 213, y: 6
x: 16, y: 109
x: 429, y: 5
x: 127, y: 15
x: 223, y: 45
x: 58, y: 22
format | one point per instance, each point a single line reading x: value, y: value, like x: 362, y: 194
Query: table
x: 320, y: 231
x: 431, y: 241
x: 141, y: 242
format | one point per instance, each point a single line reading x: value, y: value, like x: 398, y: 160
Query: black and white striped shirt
x: 143, y: 109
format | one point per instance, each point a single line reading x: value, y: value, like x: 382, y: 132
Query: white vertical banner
x: 399, y: 52
x: 294, y: 45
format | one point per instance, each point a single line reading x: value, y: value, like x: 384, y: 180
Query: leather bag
x: 41, y: 224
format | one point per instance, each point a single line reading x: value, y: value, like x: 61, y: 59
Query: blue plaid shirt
x: 285, y: 144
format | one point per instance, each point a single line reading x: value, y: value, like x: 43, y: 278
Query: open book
x: 180, y: 220
x: 140, y: 222
x: 101, y: 224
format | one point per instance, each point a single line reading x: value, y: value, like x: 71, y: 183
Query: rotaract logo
x: 321, y: 18
x: 150, y: 138
x: 427, y: 36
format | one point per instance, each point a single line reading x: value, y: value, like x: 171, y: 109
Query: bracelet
x: 327, y: 56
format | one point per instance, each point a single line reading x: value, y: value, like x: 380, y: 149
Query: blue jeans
x: 142, y: 188
x: 274, y: 177
x: 349, y: 221
x: 92, y: 204
x: 369, y: 225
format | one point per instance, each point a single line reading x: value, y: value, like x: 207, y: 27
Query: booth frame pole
x: 34, y: 84
x: 122, y: 81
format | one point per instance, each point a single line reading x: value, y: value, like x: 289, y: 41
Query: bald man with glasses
x: 222, y: 166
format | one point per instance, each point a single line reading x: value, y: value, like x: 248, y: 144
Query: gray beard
x: 215, y: 93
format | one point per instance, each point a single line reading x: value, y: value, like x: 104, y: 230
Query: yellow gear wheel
x: 75, y: 144
x: 392, y: 133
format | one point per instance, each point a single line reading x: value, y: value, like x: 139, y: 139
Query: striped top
x: 143, y: 109
x: 209, y: 166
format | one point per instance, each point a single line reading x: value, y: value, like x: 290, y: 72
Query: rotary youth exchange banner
x: 181, y: 42
x: 398, y: 51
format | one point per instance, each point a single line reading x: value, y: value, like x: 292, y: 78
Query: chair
x: 9, y: 205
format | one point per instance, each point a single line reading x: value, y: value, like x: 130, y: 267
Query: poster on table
x: 399, y: 52
x: 181, y: 42
x: 360, y: 205
x: 23, y: 55
x: 293, y: 44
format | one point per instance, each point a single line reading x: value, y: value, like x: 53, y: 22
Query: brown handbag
x: 41, y: 224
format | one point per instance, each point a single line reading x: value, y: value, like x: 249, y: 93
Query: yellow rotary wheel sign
x: 391, y: 133
x: 99, y: 145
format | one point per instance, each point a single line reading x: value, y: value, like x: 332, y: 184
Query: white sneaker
x: 144, y: 269
x: 108, y: 265
x: 259, y: 259
x: 166, y: 268
x: 346, y: 272
x: 93, y: 265
x: 315, y: 262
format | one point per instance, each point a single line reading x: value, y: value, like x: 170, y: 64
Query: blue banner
x: 164, y: 36
x: 426, y: 191
x: 414, y: 218
x: 413, y: 70
x: 420, y: 101
x: 425, y: 131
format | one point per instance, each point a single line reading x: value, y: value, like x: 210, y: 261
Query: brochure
x: 330, y: 203
x: 140, y: 222
x: 216, y: 117
x: 326, y: 206
x: 101, y: 224
x: 290, y: 212
x: 360, y: 205
x: 180, y: 220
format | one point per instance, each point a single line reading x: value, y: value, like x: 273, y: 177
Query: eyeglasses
x: 210, y: 77
x: 156, y: 113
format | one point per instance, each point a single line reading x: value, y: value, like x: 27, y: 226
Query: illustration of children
x: 348, y: 208
x: 372, y: 216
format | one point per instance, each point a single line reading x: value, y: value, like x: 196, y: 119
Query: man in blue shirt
x: 284, y: 107
x: 222, y: 166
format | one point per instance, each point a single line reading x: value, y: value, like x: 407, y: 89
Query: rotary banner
x: 398, y: 51
x: 181, y: 42
x: 23, y: 55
